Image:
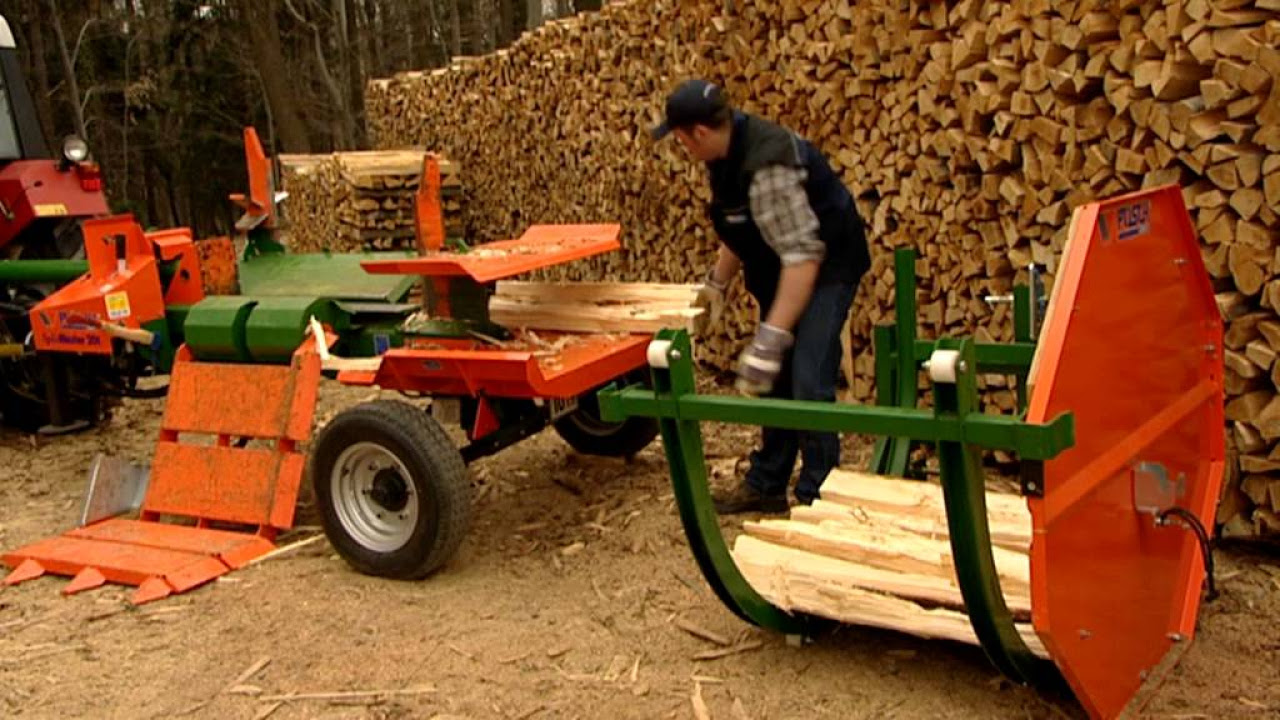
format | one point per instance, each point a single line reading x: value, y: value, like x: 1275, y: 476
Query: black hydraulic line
x: 1206, y: 550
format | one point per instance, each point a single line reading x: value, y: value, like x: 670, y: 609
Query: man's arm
x: 795, y: 287
x: 726, y: 267
x: 782, y: 212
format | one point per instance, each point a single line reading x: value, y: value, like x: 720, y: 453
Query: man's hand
x: 710, y: 298
x: 760, y: 363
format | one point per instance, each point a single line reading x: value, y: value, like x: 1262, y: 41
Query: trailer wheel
x: 588, y: 434
x: 392, y: 490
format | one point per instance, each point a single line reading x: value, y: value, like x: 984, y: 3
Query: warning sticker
x: 50, y: 210
x: 118, y: 306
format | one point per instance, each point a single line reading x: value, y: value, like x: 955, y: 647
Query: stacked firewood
x: 359, y: 201
x: 968, y: 130
x: 876, y: 551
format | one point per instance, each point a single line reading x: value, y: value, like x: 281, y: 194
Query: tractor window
x: 8, y: 132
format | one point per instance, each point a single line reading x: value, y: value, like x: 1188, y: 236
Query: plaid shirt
x: 782, y: 212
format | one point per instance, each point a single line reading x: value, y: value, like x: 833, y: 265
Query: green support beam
x: 42, y: 271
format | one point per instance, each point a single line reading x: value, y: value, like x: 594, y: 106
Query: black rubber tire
x: 439, y: 477
x: 588, y: 434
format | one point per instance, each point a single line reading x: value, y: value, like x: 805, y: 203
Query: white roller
x: 657, y: 353
x: 943, y: 364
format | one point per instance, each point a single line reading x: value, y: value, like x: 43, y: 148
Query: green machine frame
x: 898, y: 354
x: 955, y: 426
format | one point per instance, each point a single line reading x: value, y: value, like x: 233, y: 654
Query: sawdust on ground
x: 561, y: 604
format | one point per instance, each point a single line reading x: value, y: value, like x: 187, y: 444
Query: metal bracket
x: 1031, y: 478
x: 1153, y: 492
x: 116, y: 487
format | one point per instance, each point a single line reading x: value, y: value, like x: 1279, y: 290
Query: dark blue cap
x: 694, y: 101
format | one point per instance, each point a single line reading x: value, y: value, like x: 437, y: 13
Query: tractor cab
x: 41, y: 196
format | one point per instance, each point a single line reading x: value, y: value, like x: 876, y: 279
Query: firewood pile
x: 361, y: 200
x: 967, y: 130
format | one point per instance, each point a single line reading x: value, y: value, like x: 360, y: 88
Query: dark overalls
x: 812, y: 368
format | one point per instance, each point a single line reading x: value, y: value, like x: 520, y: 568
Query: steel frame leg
x: 682, y: 441
x: 964, y: 493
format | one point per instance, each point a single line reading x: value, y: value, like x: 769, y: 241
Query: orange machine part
x: 540, y: 246
x: 1132, y: 347
x: 219, y: 483
x: 461, y: 367
x: 121, y: 288
x: 187, y: 286
x: 258, y: 205
x: 427, y: 209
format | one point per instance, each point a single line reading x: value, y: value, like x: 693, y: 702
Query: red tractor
x: 42, y: 201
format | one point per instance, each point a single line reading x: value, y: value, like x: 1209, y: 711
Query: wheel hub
x: 389, y: 490
x: 374, y: 497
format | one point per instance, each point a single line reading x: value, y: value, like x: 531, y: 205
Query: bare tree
x: 68, y: 68
x: 264, y: 39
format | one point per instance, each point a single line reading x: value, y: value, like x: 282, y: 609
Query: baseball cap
x: 693, y: 101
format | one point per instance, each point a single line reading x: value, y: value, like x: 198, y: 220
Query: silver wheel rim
x: 374, y: 497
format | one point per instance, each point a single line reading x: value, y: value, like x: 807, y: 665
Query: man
x: 787, y: 222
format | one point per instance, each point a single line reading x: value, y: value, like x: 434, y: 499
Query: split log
x: 596, y: 307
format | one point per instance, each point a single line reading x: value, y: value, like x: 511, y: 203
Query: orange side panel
x: 1132, y: 347
x: 306, y: 392
x: 214, y: 398
x: 219, y: 483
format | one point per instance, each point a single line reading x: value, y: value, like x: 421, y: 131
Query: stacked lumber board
x: 361, y: 200
x: 607, y: 307
x: 968, y: 130
x: 875, y: 551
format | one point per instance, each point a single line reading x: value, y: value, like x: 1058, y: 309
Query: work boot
x: 745, y: 499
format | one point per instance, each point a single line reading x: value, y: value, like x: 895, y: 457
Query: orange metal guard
x: 1132, y: 346
x: 539, y: 247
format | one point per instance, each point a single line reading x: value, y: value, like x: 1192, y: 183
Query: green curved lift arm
x: 955, y: 425
x: 682, y: 440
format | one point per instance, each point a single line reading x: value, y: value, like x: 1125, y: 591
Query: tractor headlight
x: 75, y: 150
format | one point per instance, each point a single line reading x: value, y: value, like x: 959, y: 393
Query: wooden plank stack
x: 968, y: 130
x: 361, y: 200
x: 875, y: 551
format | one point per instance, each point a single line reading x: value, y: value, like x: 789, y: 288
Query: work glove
x: 760, y: 363
x: 710, y: 298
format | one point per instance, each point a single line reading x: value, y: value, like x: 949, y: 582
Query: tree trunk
x: 37, y: 55
x: 357, y: 48
x: 533, y: 13
x: 455, y: 27
x: 564, y: 8
x: 506, y: 22
x: 588, y: 4
x: 371, y: 40
x: 264, y: 37
x: 73, y: 88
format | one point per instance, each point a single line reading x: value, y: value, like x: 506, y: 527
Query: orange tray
x: 560, y: 366
x: 541, y: 246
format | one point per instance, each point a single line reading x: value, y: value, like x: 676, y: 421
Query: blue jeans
x: 810, y: 372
